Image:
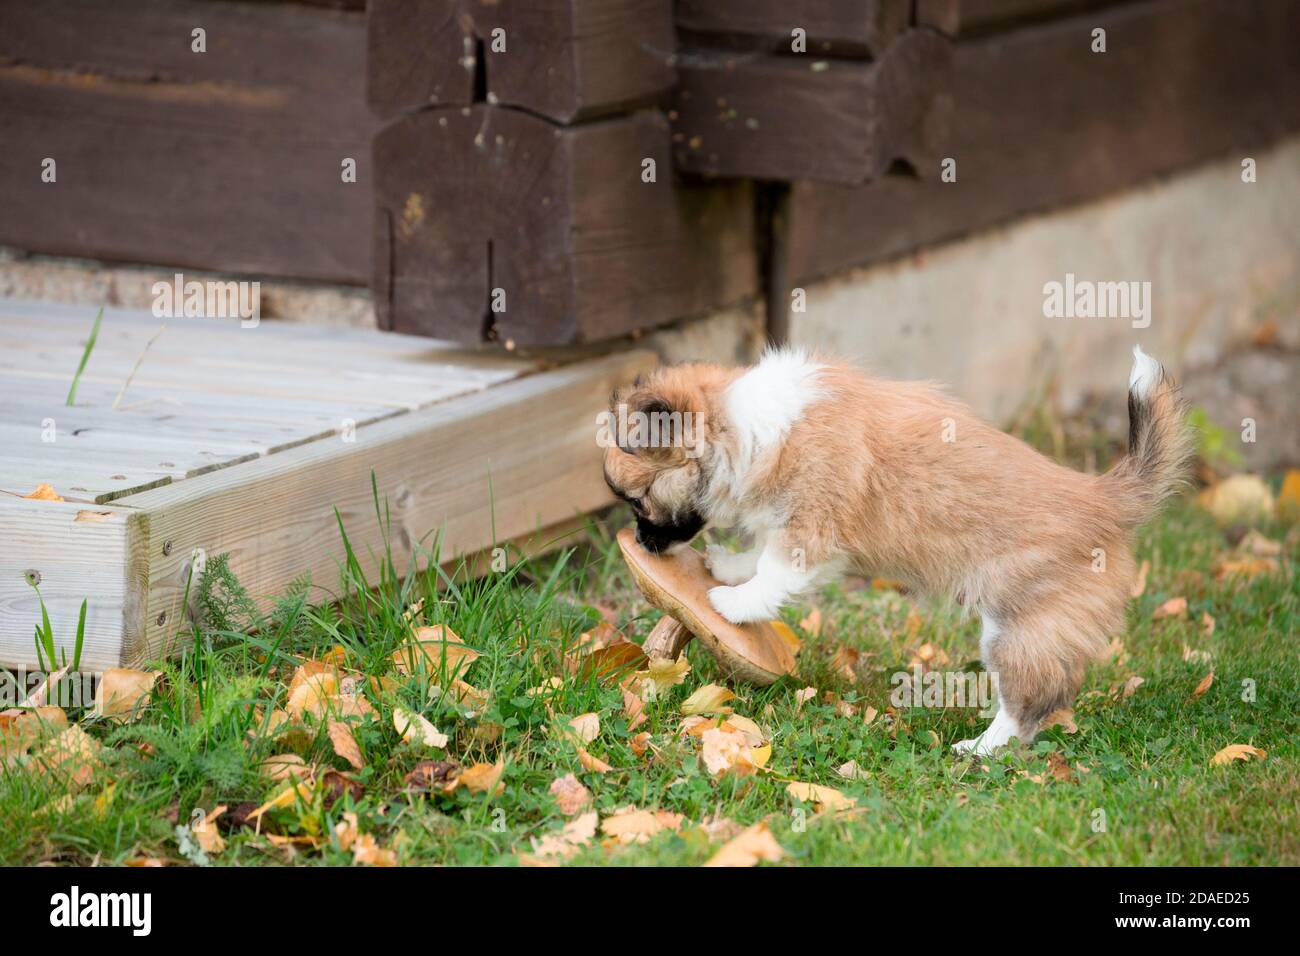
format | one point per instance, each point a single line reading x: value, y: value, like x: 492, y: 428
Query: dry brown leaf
x: 429, y: 648
x: 570, y: 795
x: 630, y: 825
x: 709, y: 699
x: 369, y: 853
x: 929, y: 656
x: 1062, y: 717
x: 574, y: 835
x: 640, y: 743
x: 661, y: 673
x: 633, y: 709
x: 1247, y: 568
x: 812, y: 624
x: 484, y: 777
x: 20, y: 729
x: 415, y: 729
x: 851, y: 771
x: 1288, y: 498
x: 1204, y: 685
x: 44, y: 492
x: 345, y: 744
x: 1239, y: 499
x: 313, y: 694
x: 1237, y: 752
x: 1132, y: 684
x: 823, y: 798
x: 749, y: 848
x: 1207, y: 624
x: 584, y: 728
x: 724, y: 751
x: 72, y: 756
x: 1173, y: 608
x: 123, y: 693
x: 592, y: 764
x: 1260, y: 546
x: 802, y: 696
x: 206, y: 833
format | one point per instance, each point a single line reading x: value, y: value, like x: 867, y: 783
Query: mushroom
x: 678, y: 584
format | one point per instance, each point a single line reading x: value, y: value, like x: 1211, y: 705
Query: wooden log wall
x: 229, y: 159
x: 1041, y: 121
x: 525, y: 187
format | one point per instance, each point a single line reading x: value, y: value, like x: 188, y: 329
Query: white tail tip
x: 1145, y: 374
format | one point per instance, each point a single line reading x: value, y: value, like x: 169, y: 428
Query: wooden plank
x: 91, y: 559
x: 1041, y: 121
x: 973, y: 17
x: 854, y: 28
x: 789, y: 117
x: 567, y: 60
x: 534, y: 439
x: 229, y: 159
x: 557, y: 218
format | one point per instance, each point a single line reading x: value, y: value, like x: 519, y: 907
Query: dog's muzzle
x: 657, y: 538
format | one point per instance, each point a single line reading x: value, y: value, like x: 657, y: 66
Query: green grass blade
x: 85, y: 357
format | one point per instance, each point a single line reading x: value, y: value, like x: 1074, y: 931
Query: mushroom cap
x: 678, y: 584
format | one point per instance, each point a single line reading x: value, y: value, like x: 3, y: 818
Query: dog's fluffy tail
x: 1160, y: 443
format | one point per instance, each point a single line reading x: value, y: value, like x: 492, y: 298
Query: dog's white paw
x: 969, y: 746
x: 743, y: 604
x: 730, y: 568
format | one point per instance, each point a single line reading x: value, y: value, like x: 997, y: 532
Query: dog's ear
x: 659, y: 424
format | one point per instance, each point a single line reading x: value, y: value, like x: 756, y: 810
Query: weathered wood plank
x: 565, y: 59
x: 1041, y: 121
x: 972, y: 17
x: 534, y: 440
x: 78, y: 552
x: 230, y: 159
x: 559, y: 219
x: 854, y: 28
x: 791, y: 117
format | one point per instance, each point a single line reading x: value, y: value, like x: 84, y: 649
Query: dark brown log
x: 854, y: 28
x: 1041, y: 121
x: 972, y: 17
x: 792, y: 117
x: 559, y: 219
x: 565, y: 59
x: 228, y: 160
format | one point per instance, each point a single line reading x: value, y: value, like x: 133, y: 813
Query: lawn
x: 225, y: 726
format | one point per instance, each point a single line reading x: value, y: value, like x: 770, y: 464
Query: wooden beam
x: 1041, y: 121
x: 854, y: 28
x: 797, y: 117
x: 568, y: 60
x: 973, y: 17
x: 494, y: 222
x: 516, y: 458
x: 231, y: 159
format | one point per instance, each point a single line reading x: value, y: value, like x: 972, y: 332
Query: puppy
x: 829, y: 470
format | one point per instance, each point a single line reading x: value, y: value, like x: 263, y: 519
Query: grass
x: 1142, y: 761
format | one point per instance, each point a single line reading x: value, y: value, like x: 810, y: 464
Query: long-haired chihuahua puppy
x: 829, y: 470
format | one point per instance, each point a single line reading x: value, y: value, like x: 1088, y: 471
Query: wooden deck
x: 244, y: 441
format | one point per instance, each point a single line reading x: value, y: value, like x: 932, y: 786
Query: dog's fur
x: 830, y: 470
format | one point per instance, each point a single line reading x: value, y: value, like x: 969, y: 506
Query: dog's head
x: 657, y: 451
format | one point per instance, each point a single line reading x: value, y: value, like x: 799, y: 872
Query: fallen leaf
x: 570, y: 795
x: 312, y: 695
x: 574, y: 835
x: 592, y: 764
x: 73, y: 756
x: 285, y: 798
x: 431, y: 647
x: 1140, y: 583
x: 929, y: 656
x: 433, y: 775
x: 1173, y: 608
x: 474, y: 701
x: 1247, y: 568
x: 640, y: 743
x: 851, y: 771
x: 1237, y: 752
x: 366, y: 851
x: 661, y: 673
x: 709, y: 699
x: 345, y: 744
x: 812, y: 624
x: 415, y: 729
x: 1288, y: 498
x: 1204, y: 685
x: 1207, y: 625
x: 44, y: 492
x: 823, y: 798
x: 633, y: 709
x: 585, y: 728
x: 802, y: 697
x: 630, y: 825
x: 484, y: 777
x: 20, y: 729
x: 1062, y: 717
x: 1132, y: 684
x: 123, y: 692
x: 728, y: 752
x: 1059, y: 768
x: 206, y: 833
x: 1260, y: 546
x: 749, y: 848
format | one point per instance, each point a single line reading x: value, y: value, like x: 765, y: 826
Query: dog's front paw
x: 743, y: 604
x: 727, y: 567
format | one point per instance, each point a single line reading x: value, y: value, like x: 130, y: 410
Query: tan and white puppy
x: 830, y: 470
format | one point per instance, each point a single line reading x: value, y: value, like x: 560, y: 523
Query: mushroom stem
x: 667, y: 639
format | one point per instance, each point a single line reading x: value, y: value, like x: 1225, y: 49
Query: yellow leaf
x: 205, y: 831
x: 312, y: 695
x: 1288, y: 499
x: 44, y: 492
x: 73, y: 756
x: 431, y: 646
x: 124, y: 692
x: 1236, y: 752
x: 416, y: 730
x: 709, y: 699
x: 1239, y: 499
x: 345, y: 744
x: 483, y: 777
x: 366, y: 851
x: 824, y: 798
x: 661, y: 673
x: 285, y: 798
x: 750, y: 847
x: 285, y: 767
x: 727, y: 751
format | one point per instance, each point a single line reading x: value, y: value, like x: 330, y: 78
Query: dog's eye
x: 635, y: 503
